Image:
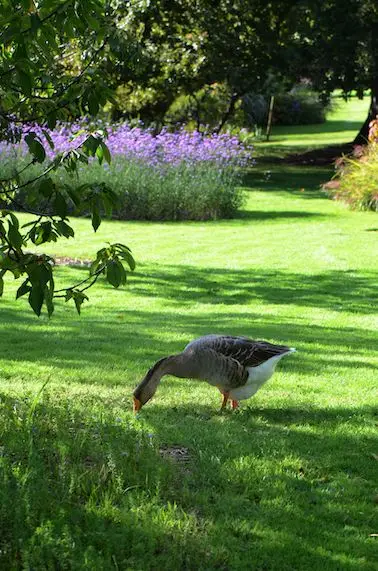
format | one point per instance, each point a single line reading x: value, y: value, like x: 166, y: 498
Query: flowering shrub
x: 171, y: 176
x: 356, y: 180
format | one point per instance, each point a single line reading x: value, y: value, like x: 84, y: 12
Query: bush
x: 171, y: 176
x: 300, y: 106
x: 356, y: 179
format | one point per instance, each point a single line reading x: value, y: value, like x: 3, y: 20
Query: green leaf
x: 100, y: 153
x: 125, y: 253
x: 69, y: 294
x: 25, y: 80
x: 90, y: 145
x: 95, y: 265
x: 43, y: 233
x: 36, y: 297
x: 106, y: 152
x: 74, y: 195
x: 1, y: 285
x: 39, y: 151
x: 108, y: 205
x: 39, y: 274
x: 115, y: 273
x: 23, y: 289
x: 93, y: 105
x: 128, y: 258
x: 96, y: 218
x: 46, y: 187
x: 64, y: 229
x: 14, y: 237
x: 35, y: 22
x: 79, y: 298
x: 49, y: 294
x: 35, y: 147
x: 60, y: 205
x: 51, y: 120
x: 14, y: 219
x: 48, y: 139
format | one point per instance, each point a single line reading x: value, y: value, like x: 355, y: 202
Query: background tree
x: 185, y: 47
x: 339, y: 50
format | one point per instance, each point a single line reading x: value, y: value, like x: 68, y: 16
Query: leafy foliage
x: 51, y: 69
x: 356, y: 180
x: 300, y: 106
x: 340, y: 50
x: 187, y: 48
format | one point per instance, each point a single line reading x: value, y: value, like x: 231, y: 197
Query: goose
x: 237, y: 366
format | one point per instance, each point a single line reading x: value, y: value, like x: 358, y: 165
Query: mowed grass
x: 342, y: 125
x: 288, y: 482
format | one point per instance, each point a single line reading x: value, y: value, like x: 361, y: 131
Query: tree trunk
x: 362, y: 136
x: 228, y: 113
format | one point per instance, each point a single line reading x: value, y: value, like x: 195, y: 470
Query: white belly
x: 257, y: 376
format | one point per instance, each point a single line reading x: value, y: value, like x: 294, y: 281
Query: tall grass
x: 357, y: 180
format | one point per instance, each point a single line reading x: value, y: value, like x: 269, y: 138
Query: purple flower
x: 142, y: 145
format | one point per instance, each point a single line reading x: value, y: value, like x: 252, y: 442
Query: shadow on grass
x: 80, y: 490
x: 329, y: 126
x: 288, y: 179
x: 333, y: 290
x: 288, y: 489
x: 273, y: 215
x: 334, y: 126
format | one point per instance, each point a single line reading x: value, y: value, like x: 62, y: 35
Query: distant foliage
x: 171, y: 176
x: 356, y: 181
x: 300, y: 106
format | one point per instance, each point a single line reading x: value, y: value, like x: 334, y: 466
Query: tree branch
x: 94, y: 278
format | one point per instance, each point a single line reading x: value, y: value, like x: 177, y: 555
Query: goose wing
x: 219, y: 370
x: 247, y: 352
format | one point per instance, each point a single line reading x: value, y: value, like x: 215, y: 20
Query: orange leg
x: 234, y: 404
x: 225, y: 400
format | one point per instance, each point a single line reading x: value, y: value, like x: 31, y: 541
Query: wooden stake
x: 270, y: 116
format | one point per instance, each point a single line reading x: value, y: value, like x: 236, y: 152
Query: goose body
x: 238, y: 366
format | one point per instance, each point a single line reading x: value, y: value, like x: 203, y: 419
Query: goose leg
x: 234, y: 404
x: 224, y: 401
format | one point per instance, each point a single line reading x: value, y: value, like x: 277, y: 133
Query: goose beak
x: 137, y: 405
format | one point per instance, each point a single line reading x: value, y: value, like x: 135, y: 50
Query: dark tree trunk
x: 362, y: 136
x: 228, y: 113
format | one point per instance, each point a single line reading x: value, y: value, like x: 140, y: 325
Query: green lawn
x: 288, y: 482
x: 342, y: 125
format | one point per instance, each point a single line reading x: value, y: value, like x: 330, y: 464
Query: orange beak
x: 137, y: 405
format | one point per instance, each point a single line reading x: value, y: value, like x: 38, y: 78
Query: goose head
x: 147, y: 387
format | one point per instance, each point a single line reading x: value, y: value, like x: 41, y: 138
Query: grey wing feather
x: 247, y: 352
x: 221, y: 370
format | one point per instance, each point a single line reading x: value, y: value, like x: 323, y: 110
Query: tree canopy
x: 341, y: 51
